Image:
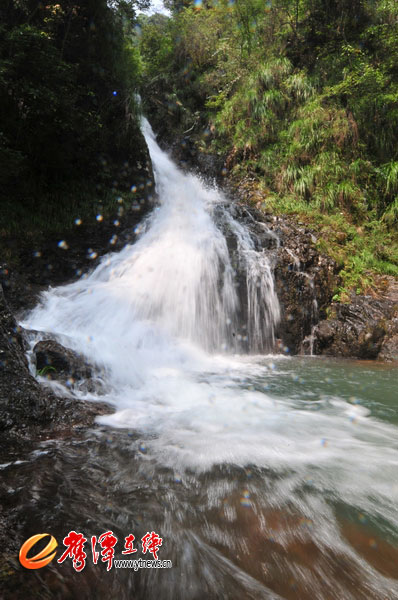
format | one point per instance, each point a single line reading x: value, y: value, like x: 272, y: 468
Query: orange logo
x: 40, y: 560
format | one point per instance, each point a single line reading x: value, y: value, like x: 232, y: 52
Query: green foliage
x: 301, y: 97
x: 156, y: 45
x: 68, y: 73
x: 361, y: 251
x: 46, y: 370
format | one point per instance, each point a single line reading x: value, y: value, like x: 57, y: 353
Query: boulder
x: 365, y: 328
x: 389, y: 348
x: 57, y: 362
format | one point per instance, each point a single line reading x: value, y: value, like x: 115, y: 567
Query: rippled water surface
x: 289, y: 491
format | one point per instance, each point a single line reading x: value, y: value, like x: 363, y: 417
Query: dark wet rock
x: 60, y: 362
x: 245, y: 338
x: 22, y: 400
x: 56, y: 362
x: 365, y: 328
x: 188, y: 154
x: 389, y: 347
x: 26, y: 407
x: 189, y: 147
x: 305, y: 282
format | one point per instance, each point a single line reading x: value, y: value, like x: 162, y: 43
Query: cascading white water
x: 176, y: 281
x: 155, y: 313
x: 185, y: 276
x: 263, y: 311
x: 159, y: 316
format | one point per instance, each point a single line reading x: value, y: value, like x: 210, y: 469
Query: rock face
x: 389, y: 347
x: 304, y: 279
x: 305, y: 282
x: 22, y: 400
x: 365, y: 328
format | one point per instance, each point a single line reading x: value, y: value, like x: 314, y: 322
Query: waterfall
x: 176, y: 282
x: 255, y: 469
x: 262, y: 305
x: 199, y: 284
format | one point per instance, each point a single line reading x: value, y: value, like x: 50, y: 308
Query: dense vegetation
x: 301, y: 98
x: 68, y: 73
